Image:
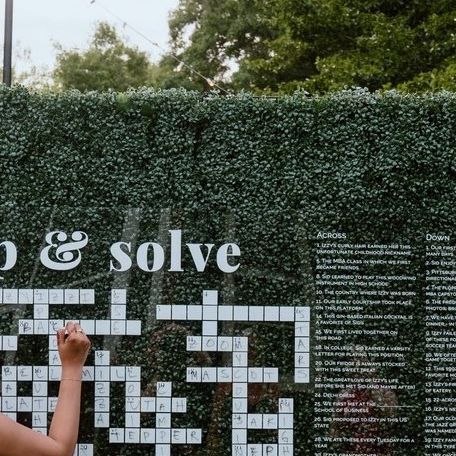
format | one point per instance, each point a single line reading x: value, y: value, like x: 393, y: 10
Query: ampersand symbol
x: 67, y: 253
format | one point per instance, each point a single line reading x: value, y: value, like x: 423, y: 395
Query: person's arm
x: 18, y: 440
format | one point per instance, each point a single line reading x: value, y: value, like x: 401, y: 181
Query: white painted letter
x: 11, y: 255
x: 121, y: 256
x: 197, y: 255
x: 143, y: 254
x: 176, y: 251
x: 225, y: 251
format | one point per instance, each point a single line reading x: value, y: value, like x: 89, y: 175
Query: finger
x: 60, y: 337
x: 70, y: 327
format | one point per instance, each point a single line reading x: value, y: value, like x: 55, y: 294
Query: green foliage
x: 264, y: 173
x: 319, y: 45
x: 108, y: 63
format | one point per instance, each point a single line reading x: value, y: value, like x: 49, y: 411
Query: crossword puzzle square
x: 132, y: 435
x: 163, y: 420
x: 39, y: 419
x: 88, y: 373
x: 163, y: 312
x: 54, y: 326
x: 210, y: 297
x: 254, y: 421
x: 240, y: 406
x: 118, y: 312
x: 102, y: 327
x: 116, y: 435
x: 240, y: 313
x: 133, y: 404
x: 25, y: 296
x: 10, y: 296
x: 286, y: 436
x: 40, y: 373
x: 179, y: 436
x: 302, y: 313
x: 254, y: 449
x: 179, y: 312
x: 240, y: 344
x: 56, y: 296
x: 52, y: 404
x: 302, y: 375
x: 41, y: 311
x: 302, y: 360
x: 194, y: 312
x: 287, y: 313
x: 40, y: 388
x: 87, y: 296
x: 255, y: 375
x: 256, y: 313
x: 240, y: 374
x: 41, y: 327
x: 224, y: 344
x: 148, y: 404
x: 9, y: 373
x: 102, y: 389
x: 240, y: 390
x: 9, y: 404
x: 71, y: 296
x: 163, y: 435
x: 270, y: 421
x: 210, y: 328
x: 302, y: 344
x: 118, y: 296
x: 240, y: 359
x: 85, y: 449
x: 164, y: 389
x: 24, y: 373
x: 239, y: 450
x: 133, y: 327
x: 194, y: 436
x: 194, y: 374
x: 209, y: 343
x: 41, y: 296
x: 133, y: 373
x: 39, y: 404
x: 225, y: 313
x: 55, y: 373
x: 118, y: 373
x: 102, y: 358
x: 9, y: 343
x: 179, y: 405
x: 302, y: 329
x: 239, y: 436
x: 209, y: 374
x: 101, y: 420
x: 210, y: 313
x: 118, y: 327
x: 24, y: 404
x: 271, y: 313
x: 270, y: 449
x: 147, y: 435
x: 194, y: 343
x: 101, y: 404
x: 286, y: 420
x: 286, y: 405
x: 163, y: 405
x: 9, y: 389
x: 224, y: 374
x: 133, y: 388
x: 26, y: 327
x: 239, y: 421
x: 271, y: 375
x: 102, y: 373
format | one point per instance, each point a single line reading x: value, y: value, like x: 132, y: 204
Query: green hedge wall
x: 264, y: 173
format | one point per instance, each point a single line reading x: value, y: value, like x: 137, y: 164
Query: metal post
x: 8, y: 48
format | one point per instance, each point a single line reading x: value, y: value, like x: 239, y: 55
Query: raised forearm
x: 65, y: 422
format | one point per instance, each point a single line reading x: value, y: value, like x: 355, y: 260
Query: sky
x: 38, y: 24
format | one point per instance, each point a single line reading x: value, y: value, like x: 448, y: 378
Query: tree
x: 108, y: 63
x: 320, y: 45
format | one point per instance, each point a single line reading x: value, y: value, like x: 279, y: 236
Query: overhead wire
x: 192, y: 70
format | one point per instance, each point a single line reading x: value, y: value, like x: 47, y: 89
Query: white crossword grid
x: 164, y: 404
